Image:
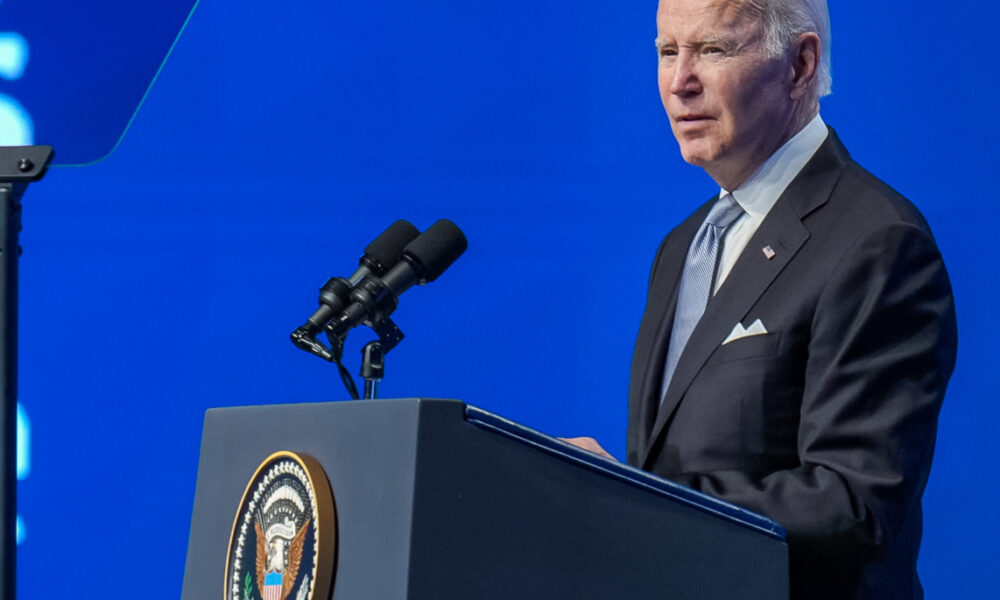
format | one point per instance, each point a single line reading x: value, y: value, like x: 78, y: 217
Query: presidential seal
x: 284, y: 536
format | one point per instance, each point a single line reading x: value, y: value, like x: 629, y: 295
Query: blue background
x: 281, y: 137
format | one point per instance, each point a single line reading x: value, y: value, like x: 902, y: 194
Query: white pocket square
x: 738, y: 332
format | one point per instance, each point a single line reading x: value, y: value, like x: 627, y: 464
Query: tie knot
x: 725, y: 211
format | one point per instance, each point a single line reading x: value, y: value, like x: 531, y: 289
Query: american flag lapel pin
x: 768, y: 252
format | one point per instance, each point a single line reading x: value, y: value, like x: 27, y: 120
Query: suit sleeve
x: 881, y: 349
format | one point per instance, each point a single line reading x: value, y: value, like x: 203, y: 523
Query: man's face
x: 729, y: 104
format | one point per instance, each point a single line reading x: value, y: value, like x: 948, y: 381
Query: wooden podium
x: 439, y: 500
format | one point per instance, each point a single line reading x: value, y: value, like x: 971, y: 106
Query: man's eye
x: 668, y: 52
x: 713, y: 50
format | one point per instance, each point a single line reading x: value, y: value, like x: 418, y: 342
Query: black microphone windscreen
x: 385, y: 250
x: 436, y: 249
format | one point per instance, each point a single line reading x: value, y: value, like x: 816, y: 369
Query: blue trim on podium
x: 623, y: 472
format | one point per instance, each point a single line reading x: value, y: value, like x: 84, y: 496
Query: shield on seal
x: 272, y: 586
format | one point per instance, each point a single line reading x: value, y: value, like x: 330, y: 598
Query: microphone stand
x: 372, y: 367
x: 373, y: 354
x: 19, y: 166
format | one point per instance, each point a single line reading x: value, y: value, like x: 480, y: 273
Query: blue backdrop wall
x: 281, y: 137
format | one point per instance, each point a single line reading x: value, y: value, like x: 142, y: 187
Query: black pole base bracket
x: 24, y: 163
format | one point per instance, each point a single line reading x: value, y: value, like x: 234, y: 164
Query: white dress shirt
x: 759, y: 193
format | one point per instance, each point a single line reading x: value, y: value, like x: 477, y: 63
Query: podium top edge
x: 631, y: 475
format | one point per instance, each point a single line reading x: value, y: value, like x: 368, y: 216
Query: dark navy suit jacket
x: 826, y: 423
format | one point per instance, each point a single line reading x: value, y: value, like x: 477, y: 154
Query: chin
x: 697, y: 154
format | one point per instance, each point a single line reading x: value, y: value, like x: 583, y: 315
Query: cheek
x: 662, y: 82
x: 758, y: 97
x: 736, y: 103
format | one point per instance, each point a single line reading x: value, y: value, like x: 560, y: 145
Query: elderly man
x: 799, y: 330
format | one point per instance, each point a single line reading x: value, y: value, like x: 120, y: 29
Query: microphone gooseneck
x: 379, y: 256
x: 422, y: 261
x: 395, y: 261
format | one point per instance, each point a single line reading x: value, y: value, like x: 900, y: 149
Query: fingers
x: 589, y: 444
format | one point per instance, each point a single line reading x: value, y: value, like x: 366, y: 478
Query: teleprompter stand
x: 19, y: 166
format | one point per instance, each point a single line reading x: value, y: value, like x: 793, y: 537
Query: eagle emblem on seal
x: 279, y: 554
x: 277, y: 551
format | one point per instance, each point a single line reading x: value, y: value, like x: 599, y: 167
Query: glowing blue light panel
x: 16, y: 128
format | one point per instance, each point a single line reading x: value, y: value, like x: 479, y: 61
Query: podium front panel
x: 436, y: 500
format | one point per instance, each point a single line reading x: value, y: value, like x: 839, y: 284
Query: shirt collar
x: 759, y: 193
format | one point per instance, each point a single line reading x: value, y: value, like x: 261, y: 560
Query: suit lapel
x: 652, y: 348
x: 750, y: 277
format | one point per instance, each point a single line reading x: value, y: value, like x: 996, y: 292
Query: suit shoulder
x: 873, y: 202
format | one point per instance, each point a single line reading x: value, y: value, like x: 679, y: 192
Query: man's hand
x: 590, y: 445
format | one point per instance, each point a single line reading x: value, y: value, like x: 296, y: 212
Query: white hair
x: 785, y: 20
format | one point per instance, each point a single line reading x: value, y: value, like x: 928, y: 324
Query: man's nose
x: 685, y: 81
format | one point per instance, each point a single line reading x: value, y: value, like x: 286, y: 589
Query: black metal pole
x: 18, y: 167
x: 9, y: 229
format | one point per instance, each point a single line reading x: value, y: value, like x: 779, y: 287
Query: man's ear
x: 806, y: 53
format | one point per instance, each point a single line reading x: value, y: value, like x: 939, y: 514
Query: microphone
x: 379, y: 256
x: 423, y: 260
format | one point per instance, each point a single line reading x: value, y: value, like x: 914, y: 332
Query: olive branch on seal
x: 247, y: 587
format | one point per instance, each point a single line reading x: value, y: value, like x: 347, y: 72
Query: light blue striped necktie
x: 697, y: 279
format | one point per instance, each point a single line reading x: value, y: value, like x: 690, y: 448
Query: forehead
x: 682, y: 19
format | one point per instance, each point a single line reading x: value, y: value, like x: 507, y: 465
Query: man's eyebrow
x: 727, y: 44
